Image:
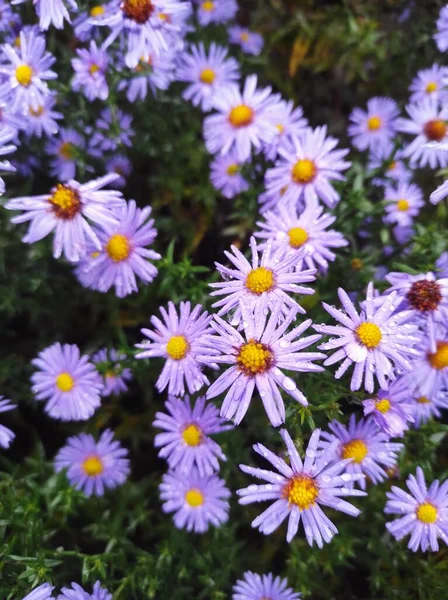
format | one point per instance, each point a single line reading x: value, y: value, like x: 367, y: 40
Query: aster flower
x: 391, y: 409
x: 250, y: 42
x: 25, y: 76
x: 93, y: 466
x: 68, y: 382
x: 122, y: 166
x: 430, y: 370
x: 440, y: 193
x: 52, y: 13
x: 442, y: 265
x: 6, y: 136
x: 178, y: 339
x: 305, y: 169
x: 300, y: 489
x: 423, y: 512
x: 112, y: 129
x: 375, y: 129
x: 425, y: 408
x: 65, y: 210
x: 186, y: 442
x: 242, y: 120
x: 396, y: 169
x: 309, y: 231
x: 403, y: 203
x: 115, y: 376
x: 257, y: 360
x: 83, y: 27
x: 370, y: 450
x: 10, y: 122
x: 65, y: 150
x: 42, y: 592
x: 427, y: 123
x: 153, y: 72
x: 198, y: 501
x: 6, y: 435
x: 43, y: 120
x: 207, y: 73
x: 225, y: 175
x: 6, y: 16
x: 429, y: 83
x: 261, y: 587
x: 441, y: 37
x: 124, y: 255
x: 90, y: 72
x: 376, y: 340
x: 76, y: 592
x: 216, y: 11
x: 289, y: 123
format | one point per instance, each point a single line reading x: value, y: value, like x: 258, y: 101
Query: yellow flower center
x: 302, y: 491
x: 383, y: 406
x: 17, y: 42
x: 65, y: 202
x: 297, y: 237
x: 93, y: 465
x: 177, y: 347
x: 208, y: 6
x: 369, y: 334
x: 392, y: 166
x: 439, y: 359
x: 93, y: 69
x: 304, y: 171
x: 194, y: 498
x: 109, y: 374
x: 356, y: 264
x: 233, y: 169
x: 67, y: 151
x: 260, y: 280
x: 254, y: 358
x: 65, y: 382
x: 403, y: 205
x: 427, y: 513
x: 207, y: 76
x: 95, y: 254
x: 241, y: 116
x: 97, y: 11
x: 37, y: 112
x: 431, y: 87
x: 118, y: 247
x: 374, y: 123
x: 137, y: 10
x: 192, y: 435
x: 355, y: 449
x: 24, y: 75
x: 244, y: 37
x: 280, y: 128
x: 435, y: 130
x: 423, y: 400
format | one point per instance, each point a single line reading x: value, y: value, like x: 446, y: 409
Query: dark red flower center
x: 138, y: 10
x: 424, y: 295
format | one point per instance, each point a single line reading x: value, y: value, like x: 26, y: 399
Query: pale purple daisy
x: 207, y: 73
x: 396, y: 169
x: 186, y: 442
x: 257, y: 360
x: 122, y: 166
x: 428, y: 123
x: 53, y: 12
x: 179, y: 338
x: 442, y: 265
x: 124, y: 254
x: 26, y: 73
x: 225, y: 175
x: 423, y: 513
x: 76, y: 592
x: 262, y: 587
x: 9, y: 121
x: 299, y: 490
x: 391, y: 409
x: 309, y: 231
x: 43, y: 592
x: 425, y: 408
x: 370, y: 450
x: 43, y: 120
x: 440, y: 193
x: 250, y: 42
x: 65, y: 151
x: 68, y: 382
x: 288, y: 122
x: 153, y: 72
x: 83, y: 27
x: 215, y: 11
x: 6, y: 135
x: 93, y: 466
x: 198, y: 501
x: 268, y: 278
x: 403, y: 203
x: 112, y: 129
x: 376, y: 340
x: 242, y: 121
x: 65, y: 210
x: 375, y: 129
x: 6, y: 435
x: 429, y: 372
x: 430, y: 83
x: 441, y: 37
x: 305, y: 168
x: 6, y: 16
x: 90, y: 72
x: 114, y: 375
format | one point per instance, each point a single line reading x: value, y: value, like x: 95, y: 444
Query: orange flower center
x: 435, y: 130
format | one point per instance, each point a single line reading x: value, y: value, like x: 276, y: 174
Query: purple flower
x: 43, y: 120
x: 93, y: 466
x: 396, y: 170
x: 66, y: 150
x: 122, y: 166
x: 76, y: 592
x: 196, y: 500
x: 179, y: 339
x: 267, y: 278
x: 423, y: 512
x: 262, y: 587
x: 305, y: 169
x: 441, y: 37
x: 65, y: 210
x: 242, y: 121
x: 186, y: 442
x: 257, y: 360
x: 68, y: 382
x: 216, y: 11
x: 114, y: 375
x: 375, y: 129
x: 376, y: 340
x: 207, y: 74
x: 403, y: 203
x: 90, y: 72
x: 442, y: 265
x: 6, y: 16
x: 124, y: 254
x: 430, y: 370
x: 300, y: 489
x: 250, y: 42
x: 430, y: 83
x: 6, y: 136
x: 53, y: 13
x: 309, y: 231
x: 155, y: 72
x: 83, y: 27
x: 112, y: 129
x: 369, y: 449
x: 391, y: 409
x: 43, y: 592
x: 289, y: 124
x: 6, y: 435
x: 225, y: 175
x: 440, y: 193
x: 427, y: 123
